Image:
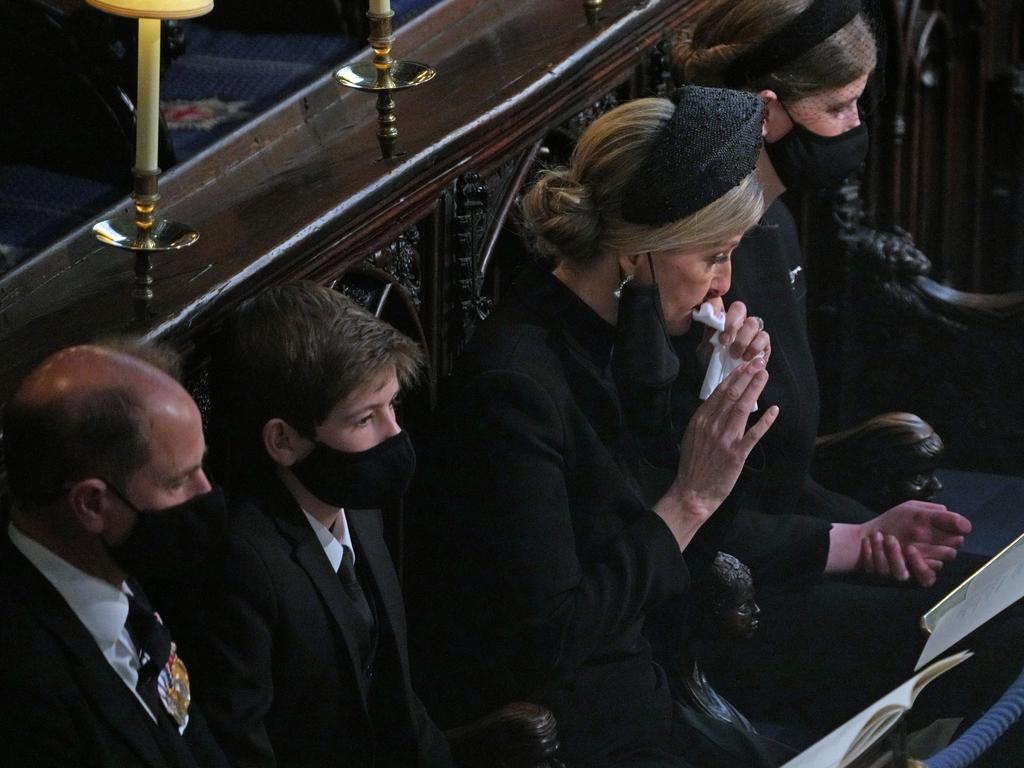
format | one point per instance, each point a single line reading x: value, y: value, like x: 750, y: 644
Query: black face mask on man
x: 370, y: 479
x: 174, y: 541
x: 808, y: 162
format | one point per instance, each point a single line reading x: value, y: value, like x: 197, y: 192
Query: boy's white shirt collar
x: 335, y: 539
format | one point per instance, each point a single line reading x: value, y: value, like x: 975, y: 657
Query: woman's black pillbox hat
x: 708, y: 147
x: 818, y: 22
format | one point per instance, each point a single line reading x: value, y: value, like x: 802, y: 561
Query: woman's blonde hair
x: 728, y: 28
x: 574, y: 213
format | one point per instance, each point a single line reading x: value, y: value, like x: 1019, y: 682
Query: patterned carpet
x: 225, y: 77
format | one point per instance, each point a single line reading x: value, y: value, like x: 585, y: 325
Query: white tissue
x: 721, y: 363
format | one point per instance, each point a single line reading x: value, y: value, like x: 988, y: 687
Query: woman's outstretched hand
x: 913, y: 539
x: 715, y: 446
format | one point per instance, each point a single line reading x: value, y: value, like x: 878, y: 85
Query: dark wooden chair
x: 953, y: 357
x: 518, y: 735
x: 909, y: 343
x: 946, y: 163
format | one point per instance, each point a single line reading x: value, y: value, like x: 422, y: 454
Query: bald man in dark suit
x: 93, y: 439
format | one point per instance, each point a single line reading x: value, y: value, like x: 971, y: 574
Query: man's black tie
x: 153, y: 643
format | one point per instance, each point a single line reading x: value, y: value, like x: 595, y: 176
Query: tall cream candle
x: 147, y: 106
x: 380, y: 7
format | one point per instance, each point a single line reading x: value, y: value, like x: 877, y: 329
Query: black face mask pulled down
x: 174, y: 542
x: 644, y: 366
x: 808, y: 162
x: 370, y: 479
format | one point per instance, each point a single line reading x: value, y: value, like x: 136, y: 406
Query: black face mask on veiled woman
x: 644, y: 366
x: 809, y: 162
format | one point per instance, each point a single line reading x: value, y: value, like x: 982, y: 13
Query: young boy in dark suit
x: 305, y: 639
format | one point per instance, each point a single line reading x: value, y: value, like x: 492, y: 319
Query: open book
x: 994, y: 587
x: 850, y: 740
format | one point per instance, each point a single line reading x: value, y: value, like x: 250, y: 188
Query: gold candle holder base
x: 164, y: 235
x: 383, y: 75
x: 144, y: 234
x: 593, y: 10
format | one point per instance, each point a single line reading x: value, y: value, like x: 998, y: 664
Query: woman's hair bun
x: 695, y: 63
x: 561, y: 217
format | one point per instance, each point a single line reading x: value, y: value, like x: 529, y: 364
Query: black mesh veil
x: 806, y: 51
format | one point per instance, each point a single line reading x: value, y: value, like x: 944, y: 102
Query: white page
x: 994, y: 588
x: 837, y: 749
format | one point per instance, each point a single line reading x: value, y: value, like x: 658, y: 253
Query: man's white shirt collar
x: 335, y: 540
x: 98, y: 604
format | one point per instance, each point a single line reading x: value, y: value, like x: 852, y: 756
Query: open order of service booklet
x: 993, y: 588
x: 850, y: 740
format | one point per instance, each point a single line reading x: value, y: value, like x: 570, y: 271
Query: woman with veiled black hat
x: 809, y: 60
x: 540, y: 559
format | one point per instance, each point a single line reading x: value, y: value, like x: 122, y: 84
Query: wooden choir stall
x: 428, y: 237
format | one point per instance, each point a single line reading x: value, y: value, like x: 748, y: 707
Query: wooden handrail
x: 300, y: 191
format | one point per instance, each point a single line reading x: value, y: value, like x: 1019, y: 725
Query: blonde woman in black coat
x: 542, y: 561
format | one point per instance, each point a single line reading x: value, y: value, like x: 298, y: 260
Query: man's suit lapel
x: 310, y: 556
x: 115, y: 704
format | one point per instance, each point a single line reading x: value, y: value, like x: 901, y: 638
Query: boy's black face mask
x: 371, y: 479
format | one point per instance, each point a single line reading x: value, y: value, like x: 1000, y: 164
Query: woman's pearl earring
x: 617, y: 293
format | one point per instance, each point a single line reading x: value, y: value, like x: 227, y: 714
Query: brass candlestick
x: 145, y: 234
x: 383, y: 75
x: 593, y: 10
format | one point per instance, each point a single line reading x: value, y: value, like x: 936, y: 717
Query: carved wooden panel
x: 947, y: 159
x: 946, y: 165
x: 471, y: 218
x: 910, y: 343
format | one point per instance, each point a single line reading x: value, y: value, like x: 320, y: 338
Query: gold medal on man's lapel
x: 173, y: 688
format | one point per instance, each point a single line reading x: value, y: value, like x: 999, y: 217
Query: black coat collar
x: 546, y: 296
x: 584, y: 342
